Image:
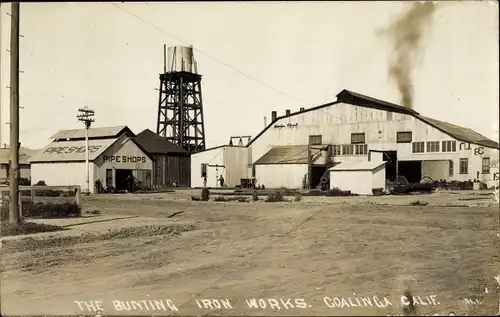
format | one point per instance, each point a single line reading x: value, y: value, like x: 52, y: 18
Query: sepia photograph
x: 251, y: 158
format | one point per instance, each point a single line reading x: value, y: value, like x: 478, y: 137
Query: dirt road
x: 319, y: 256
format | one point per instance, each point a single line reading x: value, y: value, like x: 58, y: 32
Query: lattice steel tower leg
x: 180, y: 104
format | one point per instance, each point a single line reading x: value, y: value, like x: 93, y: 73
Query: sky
x: 254, y: 57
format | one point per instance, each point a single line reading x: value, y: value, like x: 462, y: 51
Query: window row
x: 464, y: 166
x: 356, y: 138
x: 434, y: 146
x: 349, y: 149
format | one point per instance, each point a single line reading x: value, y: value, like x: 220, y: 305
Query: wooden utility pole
x: 14, y: 216
x: 86, y: 116
x: 309, y: 165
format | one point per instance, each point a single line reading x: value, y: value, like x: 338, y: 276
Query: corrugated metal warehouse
x: 417, y: 146
x: 229, y: 161
x: 171, y: 165
x: 413, y: 145
x: 114, y: 156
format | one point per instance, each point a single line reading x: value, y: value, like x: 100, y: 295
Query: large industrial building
x: 351, y: 129
x: 114, y: 156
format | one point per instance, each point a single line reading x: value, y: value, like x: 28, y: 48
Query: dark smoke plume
x: 406, y: 34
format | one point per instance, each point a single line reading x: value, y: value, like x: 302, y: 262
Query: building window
x: 347, y: 149
x: 109, y: 178
x: 315, y: 140
x: 486, y: 165
x: 203, y: 170
x: 449, y: 146
x: 433, y: 146
x: 404, y: 137
x: 451, y: 168
x: 336, y: 150
x: 357, y: 138
x: 418, y: 147
x: 361, y: 149
x: 464, y: 166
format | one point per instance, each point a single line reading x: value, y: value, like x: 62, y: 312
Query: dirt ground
x: 319, y: 256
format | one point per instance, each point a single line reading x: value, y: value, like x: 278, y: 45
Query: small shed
x: 358, y: 177
x: 172, y: 163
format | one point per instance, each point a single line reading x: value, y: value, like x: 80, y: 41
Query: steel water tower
x: 180, y: 105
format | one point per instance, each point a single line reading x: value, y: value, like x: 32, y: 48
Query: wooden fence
x: 47, y: 194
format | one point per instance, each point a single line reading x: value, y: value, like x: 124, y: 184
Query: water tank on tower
x: 180, y: 107
x: 181, y: 59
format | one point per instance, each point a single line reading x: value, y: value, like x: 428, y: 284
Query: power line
x: 210, y: 56
x: 221, y: 62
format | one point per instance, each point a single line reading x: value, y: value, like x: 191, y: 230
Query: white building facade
x: 358, y: 177
x: 414, y: 146
x: 231, y: 162
x: 114, y: 156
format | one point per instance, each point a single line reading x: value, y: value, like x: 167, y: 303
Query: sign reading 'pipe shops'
x: 124, y: 159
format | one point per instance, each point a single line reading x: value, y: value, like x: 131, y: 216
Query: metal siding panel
x: 281, y: 175
x: 436, y: 170
x: 236, y: 165
x: 144, y: 176
x: 211, y: 157
x: 358, y: 182
x: 378, y: 178
x: 176, y: 170
x: 124, y: 147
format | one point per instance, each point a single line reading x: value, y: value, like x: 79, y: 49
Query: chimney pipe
x: 287, y: 112
x: 274, y: 115
x: 302, y: 109
x: 265, y: 122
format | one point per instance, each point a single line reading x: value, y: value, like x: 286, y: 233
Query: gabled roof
x: 70, y: 151
x: 155, y: 144
x: 24, y: 155
x: 290, y: 154
x: 460, y: 133
x: 94, y: 133
x: 356, y: 99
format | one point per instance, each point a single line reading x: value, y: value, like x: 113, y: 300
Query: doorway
x: 391, y: 157
x: 122, y: 179
x: 317, y: 173
x: 411, y: 170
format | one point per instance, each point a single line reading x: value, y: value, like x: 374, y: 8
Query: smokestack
x: 274, y: 115
x: 302, y: 109
x: 287, y: 112
x: 265, y: 122
x: 406, y: 35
